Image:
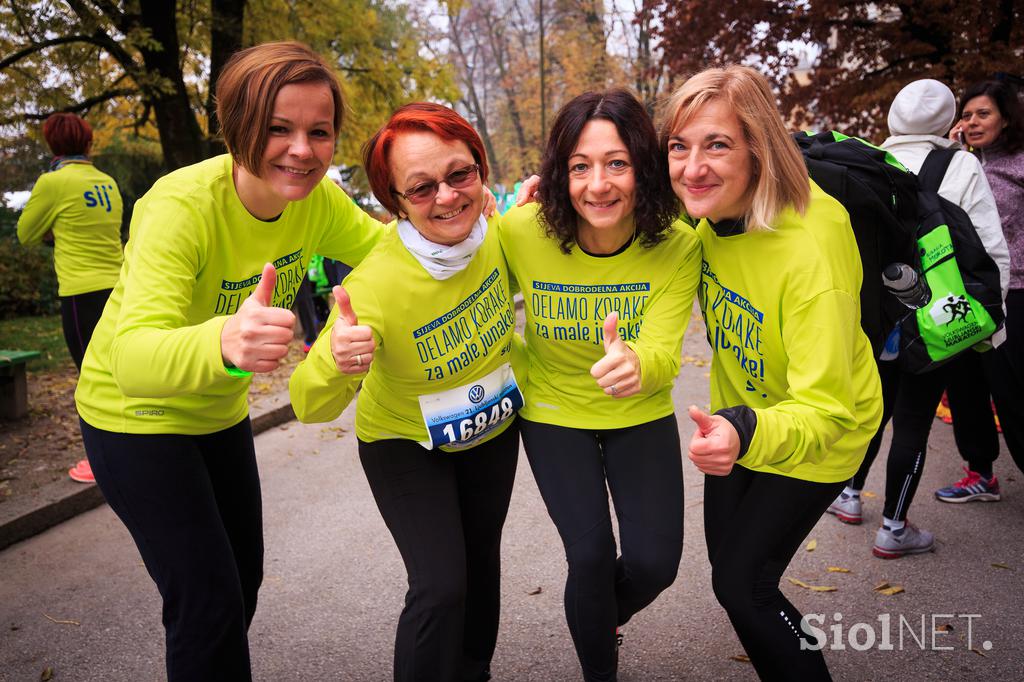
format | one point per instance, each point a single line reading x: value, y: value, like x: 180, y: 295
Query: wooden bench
x: 13, y: 384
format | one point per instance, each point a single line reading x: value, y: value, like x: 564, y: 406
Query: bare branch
x: 84, y: 105
x: 38, y: 47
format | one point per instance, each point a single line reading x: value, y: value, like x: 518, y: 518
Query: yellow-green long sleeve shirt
x: 782, y: 310
x: 82, y: 206
x: 567, y: 298
x: 434, y: 337
x: 194, y: 254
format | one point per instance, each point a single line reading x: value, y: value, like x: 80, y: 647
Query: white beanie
x: 925, y: 107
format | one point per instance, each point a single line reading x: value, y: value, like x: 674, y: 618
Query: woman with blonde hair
x: 217, y: 252
x: 795, y: 396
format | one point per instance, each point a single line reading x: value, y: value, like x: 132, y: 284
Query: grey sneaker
x: 846, y: 508
x: 892, y: 544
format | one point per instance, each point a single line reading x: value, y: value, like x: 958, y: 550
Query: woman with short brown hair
x: 216, y: 254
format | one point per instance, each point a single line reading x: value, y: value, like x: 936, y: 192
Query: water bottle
x: 902, y: 280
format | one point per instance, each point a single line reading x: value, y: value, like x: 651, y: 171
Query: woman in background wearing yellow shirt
x: 77, y: 208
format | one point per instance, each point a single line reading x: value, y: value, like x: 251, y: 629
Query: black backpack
x: 899, y: 218
x: 966, y: 305
x: 881, y: 197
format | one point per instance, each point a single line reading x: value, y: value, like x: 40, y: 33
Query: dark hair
x: 1008, y: 103
x: 67, y: 134
x: 248, y: 86
x: 656, y: 204
x: 416, y: 117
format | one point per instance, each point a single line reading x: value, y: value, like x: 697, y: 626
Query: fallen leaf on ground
x: 868, y: 493
x: 812, y: 545
x: 741, y: 658
x: 62, y: 622
x: 837, y: 569
x: 46, y: 675
x: 1000, y: 564
x: 536, y: 590
x: 978, y: 651
x: 885, y: 588
x: 945, y: 627
x: 812, y: 588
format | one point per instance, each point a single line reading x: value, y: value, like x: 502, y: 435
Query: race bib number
x: 460, y: 417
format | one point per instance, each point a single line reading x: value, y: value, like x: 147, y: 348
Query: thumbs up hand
x: 257, y: 336
x: 352, y: 344
x: 618, y: 372
x: 715, y: 445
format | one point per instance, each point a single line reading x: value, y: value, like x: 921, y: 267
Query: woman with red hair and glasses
x: 77, y: 208
x: 426, y: 322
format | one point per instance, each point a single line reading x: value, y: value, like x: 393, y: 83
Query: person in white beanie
x: 919, y: 118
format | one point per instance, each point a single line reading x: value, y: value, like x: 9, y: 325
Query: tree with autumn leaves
x: 147, y: 69
x: 839, y: 63
x: 144, y: 70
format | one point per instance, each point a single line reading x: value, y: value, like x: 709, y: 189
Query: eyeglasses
x: 457, y: 179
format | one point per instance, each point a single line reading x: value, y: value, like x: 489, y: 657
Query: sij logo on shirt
x: 99, y: 197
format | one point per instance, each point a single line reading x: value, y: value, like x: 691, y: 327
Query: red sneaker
x: 82, y: 472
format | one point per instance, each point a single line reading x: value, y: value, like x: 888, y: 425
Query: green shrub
x: 28, y: 283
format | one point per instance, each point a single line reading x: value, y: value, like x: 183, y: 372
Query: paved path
x: 334, y: 583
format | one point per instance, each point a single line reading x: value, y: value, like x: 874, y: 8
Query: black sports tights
x: 575, y: 469
x: 754, y: 523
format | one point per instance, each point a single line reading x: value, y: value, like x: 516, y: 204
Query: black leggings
x: 79, y: 315
x: 445, y: 512
x: 1004, y: 368
x: 575, y: 469
x: 192, y: 505
x: 754, y: 522
x: 910, y: 399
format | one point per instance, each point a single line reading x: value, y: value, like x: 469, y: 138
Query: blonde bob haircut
x: 779, y: 174
x: 247, y: 89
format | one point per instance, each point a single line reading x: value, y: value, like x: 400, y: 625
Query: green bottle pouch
x: 953, y: 320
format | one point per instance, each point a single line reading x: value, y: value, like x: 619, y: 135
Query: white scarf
x: 439, y: 260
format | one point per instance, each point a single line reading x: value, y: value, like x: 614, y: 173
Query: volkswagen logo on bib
x: 476, y: 394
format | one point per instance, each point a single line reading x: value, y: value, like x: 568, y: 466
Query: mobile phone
x: 960, y: 137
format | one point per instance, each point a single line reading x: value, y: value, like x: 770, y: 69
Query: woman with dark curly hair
x: 608, y: 282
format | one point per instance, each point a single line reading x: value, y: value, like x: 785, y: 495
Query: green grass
x: 43, y: 334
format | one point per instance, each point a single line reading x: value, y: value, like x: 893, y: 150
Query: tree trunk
x: 181, y: 139
x: 499, y: 49
x: 226, y: 31
x: 472, y: 100
x: 543, y: 88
